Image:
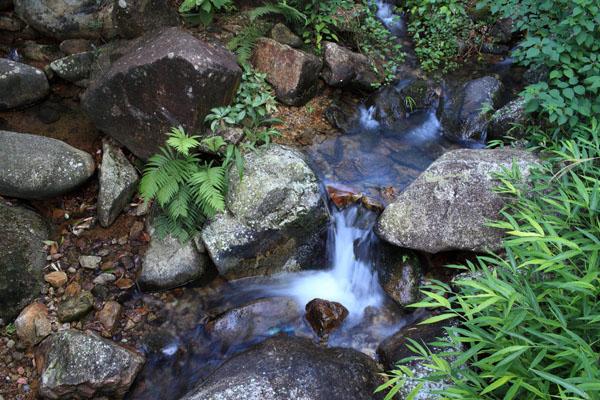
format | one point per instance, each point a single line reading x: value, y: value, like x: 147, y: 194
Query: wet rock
x: 22, y: 258
x: 294, y: 74
x: 20, y: 84
x: 48, y: 112
x: 74, y: 68
x: 118, y: 183
x: 284, y: 35
x: 75, y: 46
x: 33, y: 325
x: 399, y: 274
x: 167, y: 78
x: 75, y: 365
x: 325, y: 316
x: 76, y: 307
x: 90, y: 262
x: 464, y: 113
x: 132, y: 18
x: 109, y: 316
x: 448, y: 205
x: 275, y: 217
x: 56, y: 279
x: 254, y: 319
x: 37, y: 167
x: 508, y: 121
x: 342, y: 116
x: 345, y: 68
x: 311, y: 373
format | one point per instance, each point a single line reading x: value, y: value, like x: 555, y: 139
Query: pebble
x: 104, y: 278
x: 109, y: 315
x: 10, y: 344
x: 57, y: 278
x: 71, y: 270
x: 89, y: 262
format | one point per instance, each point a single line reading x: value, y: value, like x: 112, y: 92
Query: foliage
x: 243, y: 43
x: 562, y: 37
x: 202, y: 11
x: 321, y: 24
x: 530, y: 320
x: 290, y: 13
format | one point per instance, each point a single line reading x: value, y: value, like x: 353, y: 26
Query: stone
x: 345, y: 68
x: 10, y: 24
x: 56, y: 279
x: 464, y: 112
x: 284, y: 35
x: 109, y: 316
x: 76, y: 307
x: 76, y: 365
x: 291, y: 368
x: 38, y: 167
x: 400, y: 274
x: 21, y: 84
x: 33, y: 325
x: 104, y: 278
x: 448, y: 205
x: 133, y: 18
x: 22, y: 258
x: 325, y: 316
x: 164, y: 79
x: 253, y: 319
x: 89, y: 262
x: 118, y: 183
x: 275, y: 216
x: 294, y: 74
x: 75, y: 46
x: 40, y: 52
x: 510, y: 120
x: 74, y: 68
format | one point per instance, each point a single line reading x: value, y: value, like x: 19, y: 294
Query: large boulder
x: 448, y: 205
x: 275, y: 216
x: 165, y: 79
x: 293, y: 73
x: 21, y: 84
x: 464, y: 111
x: 22, y: 258
x: 75, y: 365
x: 37, y: 167
x: 345, y: 68
x: 291, y: 368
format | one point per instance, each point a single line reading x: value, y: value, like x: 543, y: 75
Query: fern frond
x: 290, y: 13
x: 243, y: 43
x: 180, y: 204
x: 181, y: 141
x: 208, y: 187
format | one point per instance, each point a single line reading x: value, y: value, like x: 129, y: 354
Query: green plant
x: 529, y: 321
x: 10, y: 329
x: 290, y: 13
x: 243, y: 43
x: 562, y: 36
x: 202, y: 11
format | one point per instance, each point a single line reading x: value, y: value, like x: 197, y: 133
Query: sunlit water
x: 393, y: 22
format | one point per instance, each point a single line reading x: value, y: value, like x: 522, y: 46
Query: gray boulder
x: 508, y: 121
x: 274, y: 219
x: 37, y: 167
x: 75, y: 68
x: 21, y: 84
x: 118, y: 183
x: 345, y: 68
x: 76, y: 365
x: 291, y: 368
x: 165, y: 79
x: 448, y: 205
x: 293, y: 73
x: 22, y: 258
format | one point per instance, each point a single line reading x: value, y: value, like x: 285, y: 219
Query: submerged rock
x: 291, y: 368
x: 447, y: 206
x: 75, y: 365
x: 275, y: 218
x: 21, y: 84
x: 22, y: 258
x: 37, y: 167
x: 345, y: 68
x: 293, y: 73
x: 164, y: 79
x: 325, y: 316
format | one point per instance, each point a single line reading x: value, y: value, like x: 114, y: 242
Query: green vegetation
x: 202, y: 11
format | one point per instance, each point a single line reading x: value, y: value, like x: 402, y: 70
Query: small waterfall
x: 367, y: 118
x: 385, y: 13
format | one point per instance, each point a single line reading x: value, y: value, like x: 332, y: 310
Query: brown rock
x: 108, y: 317
x: 74, y: 46
x: 325, y: 316
x: 345, y: 68
x: 72, y: 289
x: 32, y: 325
x: 56, y: 279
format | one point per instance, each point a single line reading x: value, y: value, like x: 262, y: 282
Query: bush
x: 530, y: 320
x: 202, y: 11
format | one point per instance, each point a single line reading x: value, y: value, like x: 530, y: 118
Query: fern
x: 208, y: 187
x: 182, y: 142
x: 291, y: 14
x: 243, y: 43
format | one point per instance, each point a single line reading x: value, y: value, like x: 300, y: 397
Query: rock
x: 20, y: 84
x: 22, y: 258
x: 132, y: 18
x: 67, y: 19
x: 33, y: 325
x: 291, y: 368
x: 399, y: 274
x: 74, y: 68
x: 56, y: 279
x: 10, y: 24
x: 294, y: 74
x: 284, y: 35
x: 40, y: 52
x: 168, y: 263
x: 109, y: 316
x: 75, y: 46
x: 345, y: 68
x: 73, y: 365
x: 76, y: 307
x: 448, y: 205
x: 118, y: 183
x: 165, y: 79
x: 325, y: 316
x: 254, y: 319
x: 38, y: 167
x: 104, y: 278
x: 508, y: 121
x: 90, y: 262
x: 464, y: 113
x: 275, y: 217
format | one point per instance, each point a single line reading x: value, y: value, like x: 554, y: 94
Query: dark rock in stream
x: 22, y: 258
x: 399, y: 273
x: 20, y: 84
x: 291, y: 368
x: 325, y: 316
x: 345, y: 68
x: 508, y: 121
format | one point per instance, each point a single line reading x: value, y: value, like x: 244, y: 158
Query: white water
x: 385, y: 12
x: 367, y: 118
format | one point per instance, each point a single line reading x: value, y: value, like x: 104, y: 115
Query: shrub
x: 202, y: 11
x: 530, y: 320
